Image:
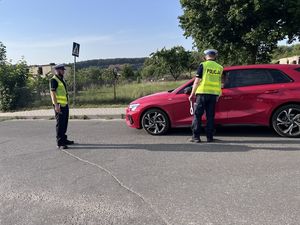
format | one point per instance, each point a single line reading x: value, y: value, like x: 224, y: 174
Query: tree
x: 244, y: 32
x: 108, y: 76
x: 194, y: 59
x: 174, y: 60
x: 89, y: 77
x: 2, y: 53
x: 138, y: 75
x: 152, y: 69
x: 14, y: 91
x: 39, y: 86
x: 14, y: 83
x: 127, y: 72
x: 111, y: 76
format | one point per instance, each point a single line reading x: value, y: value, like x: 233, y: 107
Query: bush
x: 14, y: 89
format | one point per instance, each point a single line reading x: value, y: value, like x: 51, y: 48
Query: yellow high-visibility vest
x: 61, y: 92
x: 211, y: 79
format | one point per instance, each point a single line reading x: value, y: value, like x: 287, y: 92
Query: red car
x: 267, y: 95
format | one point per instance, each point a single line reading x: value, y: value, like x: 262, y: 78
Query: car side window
x: 187, y: 88
x: 250, y: 77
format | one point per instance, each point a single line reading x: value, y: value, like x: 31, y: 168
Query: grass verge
x: 104, y: 96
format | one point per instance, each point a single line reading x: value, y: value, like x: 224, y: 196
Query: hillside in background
x: 284, y: 51
x: 281, y: 51
x: 136, y: 63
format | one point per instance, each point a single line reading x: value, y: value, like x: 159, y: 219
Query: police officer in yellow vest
x: 59, y: 96
x: 207, y: 87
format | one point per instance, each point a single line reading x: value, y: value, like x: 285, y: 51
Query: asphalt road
x: 118, y: 175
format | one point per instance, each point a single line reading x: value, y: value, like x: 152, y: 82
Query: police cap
x: 60, y: 67
x: 210, y: 52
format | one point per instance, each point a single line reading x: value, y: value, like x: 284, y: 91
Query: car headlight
x: 133, y: 107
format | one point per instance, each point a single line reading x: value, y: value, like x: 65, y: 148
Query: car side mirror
x: 187, y: 90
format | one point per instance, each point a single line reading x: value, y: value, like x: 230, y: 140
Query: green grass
x: 104, y: 96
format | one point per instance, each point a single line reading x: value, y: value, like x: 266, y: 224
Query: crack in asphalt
x: 120, y: 183
x: 3, y: 142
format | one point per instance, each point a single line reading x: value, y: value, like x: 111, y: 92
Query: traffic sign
x: 75, y: 50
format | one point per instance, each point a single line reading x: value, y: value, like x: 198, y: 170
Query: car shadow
x: 218, y: 146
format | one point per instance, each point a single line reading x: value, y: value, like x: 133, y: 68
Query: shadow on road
x: 228, y: 131
x: 218, y: 146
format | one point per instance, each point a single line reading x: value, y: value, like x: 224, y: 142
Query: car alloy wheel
x: 155, y: 122
x: 286, y: 121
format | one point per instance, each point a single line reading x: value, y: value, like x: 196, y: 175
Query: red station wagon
x: 267, y: 95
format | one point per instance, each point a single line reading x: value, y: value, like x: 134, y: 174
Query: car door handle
x: 271, y: 91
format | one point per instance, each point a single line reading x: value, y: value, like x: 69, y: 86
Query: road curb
x: 82, y: 117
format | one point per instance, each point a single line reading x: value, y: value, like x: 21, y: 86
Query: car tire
x: 155, y: 122
x: 286, y: 121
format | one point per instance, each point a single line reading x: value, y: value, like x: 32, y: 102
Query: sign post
x: 75, y: 53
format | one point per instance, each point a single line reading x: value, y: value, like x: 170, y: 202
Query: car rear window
x: 279, y: 77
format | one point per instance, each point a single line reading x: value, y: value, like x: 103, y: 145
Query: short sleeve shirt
x: 199, y: 71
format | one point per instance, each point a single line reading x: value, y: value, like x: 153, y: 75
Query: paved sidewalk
x: 79, y: 113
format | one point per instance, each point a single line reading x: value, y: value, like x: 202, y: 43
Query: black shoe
x: 195, y: 140
x: 62, y: 147
x: 210, y: 140
x: 67, y: 142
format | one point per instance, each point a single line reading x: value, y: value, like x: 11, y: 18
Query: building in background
x: 290, y: 60
x: 45, y: 70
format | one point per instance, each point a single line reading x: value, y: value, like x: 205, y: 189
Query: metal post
x: 74, y: 85
x: 115, y: 94
x: 115, y: 73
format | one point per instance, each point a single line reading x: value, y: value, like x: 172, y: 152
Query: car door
x: 181, y: 106
x: 249, y: 94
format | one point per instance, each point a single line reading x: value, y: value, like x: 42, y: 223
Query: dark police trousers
x: 204, y: 103
x: 62, y: 125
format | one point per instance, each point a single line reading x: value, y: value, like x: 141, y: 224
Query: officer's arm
x: 53, y: 97
x: 197, y: 81
x: 54, y: 100
x: 53, y: 86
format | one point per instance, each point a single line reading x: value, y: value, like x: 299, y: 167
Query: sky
x: 43, y: 31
